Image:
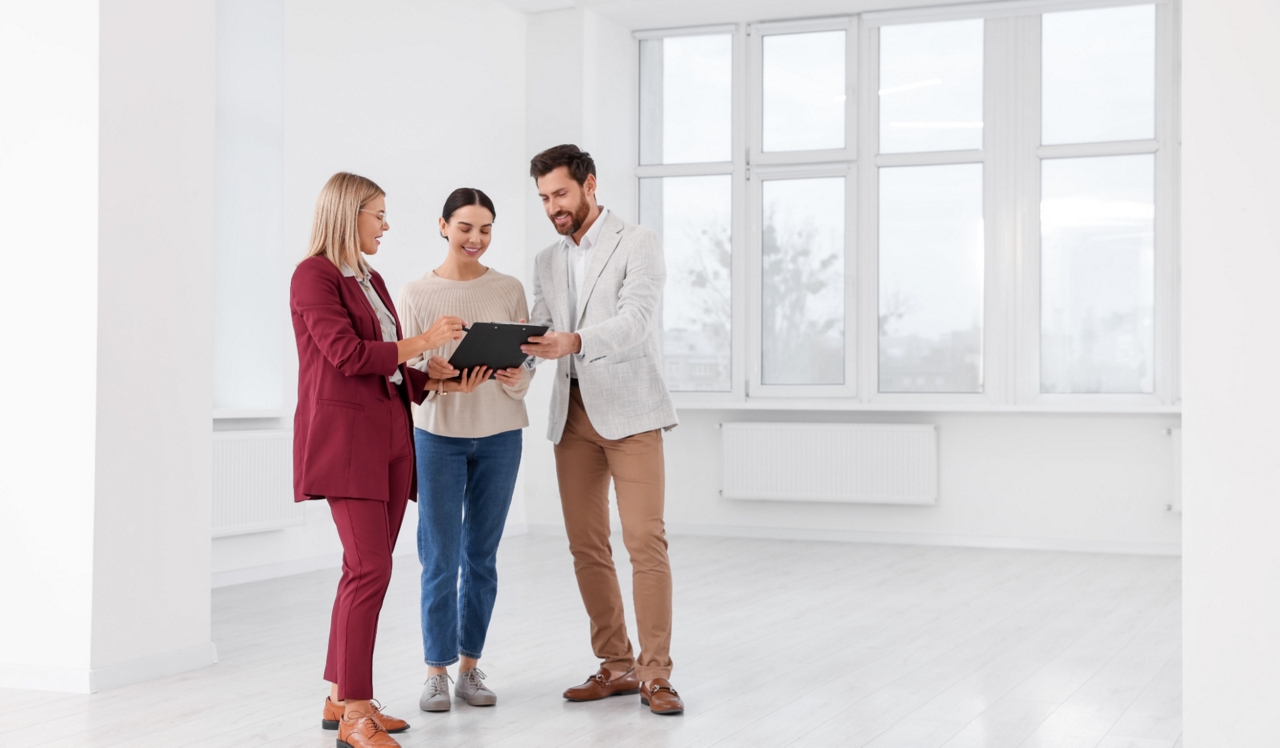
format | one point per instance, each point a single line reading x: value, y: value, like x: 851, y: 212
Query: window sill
x: 683, y: 401
x: 222, y: 414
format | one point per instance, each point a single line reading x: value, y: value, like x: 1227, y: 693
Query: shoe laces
x: 474, y: 676
x: 377, y: 726
x: 439, y: 684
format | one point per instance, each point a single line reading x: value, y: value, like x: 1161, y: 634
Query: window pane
x: 1099, y: 75
x: 804, y: 92
x: 686, y: 99
x: 1097, y: 269
x: 802, y: 331
x: 931, y: 278
x: 931, y: 87
x: 692, y: 215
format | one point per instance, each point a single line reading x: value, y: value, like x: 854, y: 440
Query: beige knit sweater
x: 493, y: 407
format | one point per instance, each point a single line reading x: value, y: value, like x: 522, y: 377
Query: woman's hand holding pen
x: 444, y: 330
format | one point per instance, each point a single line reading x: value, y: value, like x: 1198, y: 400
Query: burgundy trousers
x: 368, y: 530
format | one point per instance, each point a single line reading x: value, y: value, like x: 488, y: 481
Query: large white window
x: 970, y: 207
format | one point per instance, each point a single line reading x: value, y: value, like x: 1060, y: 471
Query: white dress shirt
x: 579, y: 259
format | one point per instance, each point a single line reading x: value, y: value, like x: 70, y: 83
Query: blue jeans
x: 464, y: 493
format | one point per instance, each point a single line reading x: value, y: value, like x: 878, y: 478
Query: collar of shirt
x: 349, y: 273
x: 589, y: 238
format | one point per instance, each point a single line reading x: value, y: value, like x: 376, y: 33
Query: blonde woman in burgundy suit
x: 352, y: 437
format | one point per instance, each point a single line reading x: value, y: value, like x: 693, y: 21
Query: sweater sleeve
x: 411, y: 322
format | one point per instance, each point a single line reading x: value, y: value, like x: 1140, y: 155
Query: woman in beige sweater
x: 468, y: 452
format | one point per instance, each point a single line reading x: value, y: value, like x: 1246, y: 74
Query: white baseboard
x: 1131, y: 548
x: 35, y: 678
x: 92, y: 680
x: 155, y: 666
x: 317, y: 563
x: 276, y: 570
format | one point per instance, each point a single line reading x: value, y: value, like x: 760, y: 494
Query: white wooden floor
x: 776, y: 643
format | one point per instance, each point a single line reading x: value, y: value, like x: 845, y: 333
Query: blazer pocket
x: 627, y: 356
x: 330, y: 442
x: 339, y: 403
x: 634, y: 387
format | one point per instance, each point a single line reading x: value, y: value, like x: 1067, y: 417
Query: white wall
x: 49, y: 202
x: 107, y: 479
x: 421, y: 97
x: 1073, y: 482
x: 155, y: 329
x: 575, y: 50
x: 1231, y: 260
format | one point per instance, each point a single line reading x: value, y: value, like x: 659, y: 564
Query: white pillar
x: 106, y: 152
x: 1231, y: 371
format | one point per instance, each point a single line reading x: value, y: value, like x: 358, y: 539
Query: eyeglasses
x: 381, y: 215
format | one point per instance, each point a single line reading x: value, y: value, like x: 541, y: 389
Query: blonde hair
x: 333, y: 231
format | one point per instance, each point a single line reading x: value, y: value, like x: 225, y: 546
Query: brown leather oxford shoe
x: 660, y: 697
x: 363, y: 731
x: 333, y: 715
x: 599, y: 686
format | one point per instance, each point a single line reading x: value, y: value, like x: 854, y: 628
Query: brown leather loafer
x: 660, y: 697
x: 363, y: 731
x: 333, y: 715
x: 599, y: 686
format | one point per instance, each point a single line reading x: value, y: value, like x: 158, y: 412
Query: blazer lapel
x: 372, y: 313
x: 559, y: 295
x: 380, y: 288
x: 610, y: 236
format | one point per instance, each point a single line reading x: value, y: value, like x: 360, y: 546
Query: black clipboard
x: 495, y: 345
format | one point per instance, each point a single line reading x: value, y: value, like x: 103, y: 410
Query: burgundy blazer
x: 340, y: 444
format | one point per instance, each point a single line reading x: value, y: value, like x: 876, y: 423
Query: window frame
x: 765, y: 166
x: 1163, y: 145
x: 736, y: 168
x: 1011, y: 156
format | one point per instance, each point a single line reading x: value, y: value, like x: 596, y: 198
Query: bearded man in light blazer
x: 599, y: 289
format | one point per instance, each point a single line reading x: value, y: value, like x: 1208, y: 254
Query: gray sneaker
x: 435, y: 694
x: 471, y: 688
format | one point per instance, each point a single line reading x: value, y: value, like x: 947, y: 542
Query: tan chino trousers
x: 585, y: 461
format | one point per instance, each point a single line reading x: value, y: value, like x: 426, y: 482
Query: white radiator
x: 253, y: 482
x: 852, y: 463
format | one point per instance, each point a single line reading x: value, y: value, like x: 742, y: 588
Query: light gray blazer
x: 620, y: 366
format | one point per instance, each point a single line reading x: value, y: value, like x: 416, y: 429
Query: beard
x: 578, y: 217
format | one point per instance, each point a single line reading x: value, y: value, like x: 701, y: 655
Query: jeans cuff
x: 472, y: 655
x: 442, y: 663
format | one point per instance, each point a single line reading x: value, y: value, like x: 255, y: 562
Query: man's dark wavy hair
x: 577, y: 160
